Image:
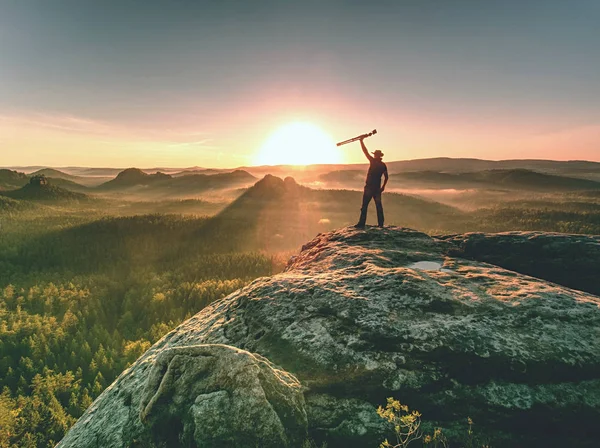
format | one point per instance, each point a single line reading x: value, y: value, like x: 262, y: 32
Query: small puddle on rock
x: 429, y: 266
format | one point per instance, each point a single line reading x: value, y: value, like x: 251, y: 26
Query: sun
x: 298, y: 143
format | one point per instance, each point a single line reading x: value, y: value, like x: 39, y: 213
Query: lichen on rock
x: 207, y: 395
x: 221, y: 395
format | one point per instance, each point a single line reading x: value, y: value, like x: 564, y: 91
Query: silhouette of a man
x: 373, y: 187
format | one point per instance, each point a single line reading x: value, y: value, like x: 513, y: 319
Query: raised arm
x: 364, y: 149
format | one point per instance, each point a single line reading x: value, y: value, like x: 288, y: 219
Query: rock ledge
x: 353, y: 321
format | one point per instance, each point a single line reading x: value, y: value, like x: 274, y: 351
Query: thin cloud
x: 107, y: 131
x: 59, y: 122
x: 202, y: 143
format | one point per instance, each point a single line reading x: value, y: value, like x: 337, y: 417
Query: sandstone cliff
x: 356, y: 317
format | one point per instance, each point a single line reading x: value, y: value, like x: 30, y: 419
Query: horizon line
x: 17, y: 167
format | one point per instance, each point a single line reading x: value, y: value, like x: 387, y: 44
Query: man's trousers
x: 375, y: 194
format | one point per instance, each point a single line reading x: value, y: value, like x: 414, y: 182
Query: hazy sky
x: 189, y: 82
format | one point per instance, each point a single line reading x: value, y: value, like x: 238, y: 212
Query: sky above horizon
x: 207, y: 83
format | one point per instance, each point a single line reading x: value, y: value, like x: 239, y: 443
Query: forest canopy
x: 87, y: 286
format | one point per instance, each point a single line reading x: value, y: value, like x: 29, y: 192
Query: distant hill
x: 9, y: 179
x: 343, y: 176
x: 213, y: 181
x: 166, y: 185
x: 68, y: 185
x: 91, y: 172
x: 520, y: 179
x: 65, y: 180
x: 517, y: 179
x: 447, y: 164
x: 523, y: 178
x: 38, y: 189
x: 132, y: 177
x: 55, y: 174
x: 191, y: 171
x: 279, y: 214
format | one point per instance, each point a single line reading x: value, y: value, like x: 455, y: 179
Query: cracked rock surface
x: 355, y: 322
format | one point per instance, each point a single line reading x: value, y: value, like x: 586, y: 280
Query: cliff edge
x: 358, y: 316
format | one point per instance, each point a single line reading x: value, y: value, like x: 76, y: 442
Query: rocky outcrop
x: 196, y: 395
x: 39, y: 188
x: 359, y: 316
x: 134, y: 176
x: 39, y: 180
x: 569, y: 260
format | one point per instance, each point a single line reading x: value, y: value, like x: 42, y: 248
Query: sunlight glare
x: 298, y: 143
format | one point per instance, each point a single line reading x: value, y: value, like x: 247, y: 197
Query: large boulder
x: 196, y: 395
x: 361, y: 315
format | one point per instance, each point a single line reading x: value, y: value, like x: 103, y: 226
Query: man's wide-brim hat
x: 378, y: 153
